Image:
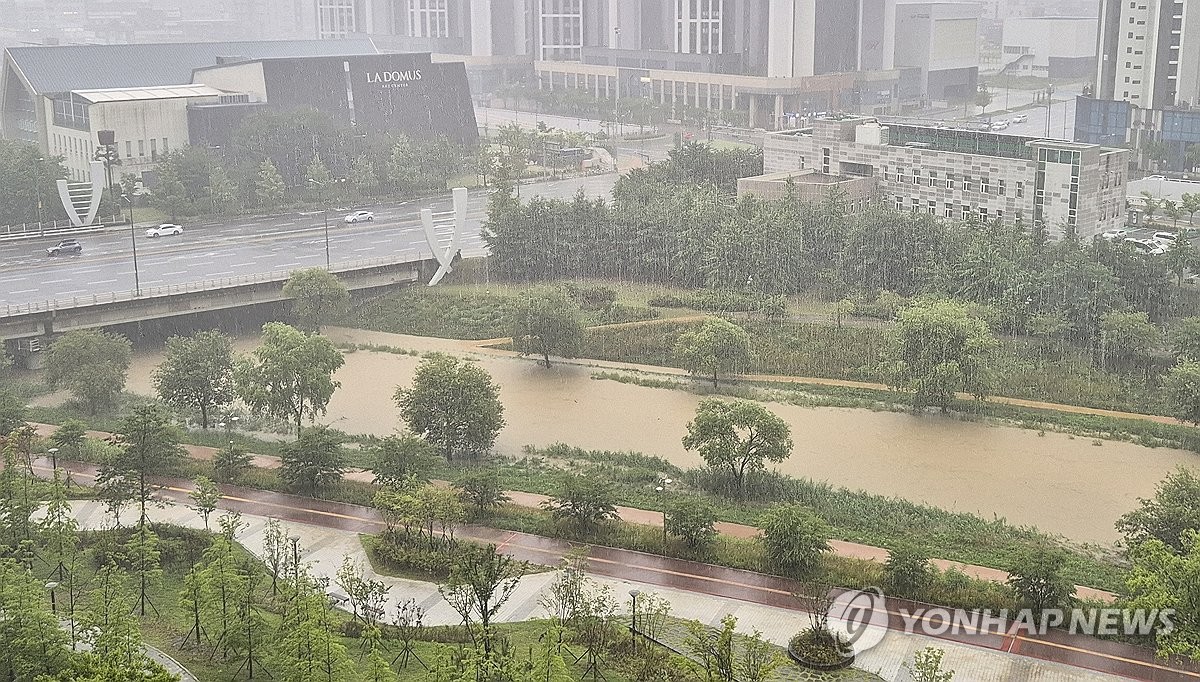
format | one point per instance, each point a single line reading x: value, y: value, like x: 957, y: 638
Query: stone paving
x: 323, y: 549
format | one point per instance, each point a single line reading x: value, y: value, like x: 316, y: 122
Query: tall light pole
x: 633, y: 622
x: 137, y: 283
x: 325, y: 211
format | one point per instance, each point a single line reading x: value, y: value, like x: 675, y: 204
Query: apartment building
x: 1148, y: 52
x: 964, y: 174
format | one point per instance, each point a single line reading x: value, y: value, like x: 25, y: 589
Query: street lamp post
x: 633, y: 622
x: 54, y: 459
x: 53, y: 606
x: 137, y: 283
x: 295, y: 540
x: 325, y: 212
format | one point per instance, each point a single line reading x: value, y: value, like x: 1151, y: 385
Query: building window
x: 916, y: 176
x: 698, y: 27
x: 899, y: 203
x: 336, y: 19
x: 949, y: 180
x: 949, y: 212
x: 1001, y: 188
x: 153, y: 148
x: 164, y: 146
x: 141, y: 147
x: 932, y: 207
x: 129, y: 149
x: 1020, y: 188
x: 428, y: 19
x: 983, y: 213
x: 933, y: 178
x: 966, y: 212
x: 985, y: 186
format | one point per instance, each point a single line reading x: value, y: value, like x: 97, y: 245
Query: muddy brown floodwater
x: 1057, y: 483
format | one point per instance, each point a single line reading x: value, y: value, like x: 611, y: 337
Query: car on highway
x: 1109, y: 235
x: 999, y: 125
x: 1146, y: 246
x: 1019, y: 118
x: 360, y: 216
x: 164, y: 230
x: 66, y: 246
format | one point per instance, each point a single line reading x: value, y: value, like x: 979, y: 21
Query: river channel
x: 1058, y: 483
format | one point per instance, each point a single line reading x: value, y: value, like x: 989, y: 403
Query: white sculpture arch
x: 446, y: 257
x: 81, y: 200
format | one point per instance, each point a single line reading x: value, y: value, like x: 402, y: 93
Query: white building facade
x: 966, y: 175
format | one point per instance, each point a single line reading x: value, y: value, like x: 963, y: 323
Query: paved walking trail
x: 644, y: 517
x: 328, y: 532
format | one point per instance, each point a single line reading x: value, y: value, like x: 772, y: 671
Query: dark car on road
x: 66, y: 246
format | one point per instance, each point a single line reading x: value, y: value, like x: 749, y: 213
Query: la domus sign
x: 398, y: 77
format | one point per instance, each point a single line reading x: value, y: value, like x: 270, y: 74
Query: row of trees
x: 675, y: 223
x: 28, y: 192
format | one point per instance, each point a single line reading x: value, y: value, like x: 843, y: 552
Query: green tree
x: 205, y: 497
x: 197, y: 373
x: 149, y: 447
x: 1037, y: 578
x: 28, y: 193
x: 1190, y: 201
x: 546, y: 321
x: 586, y: 501
x: 317, y: 172
x: 691, y: 518
x: 738, y: 436
x: 290, y: 374
x: 363, y: 177
x: 230, y: 463
x: 717, y: 347
x: 1168, y: 577
x: 34, y: 644
x: 312, y: 462
x: 1171, y: 209
x: 402, y: 461
x: 1185, y: 338
x: 1128, y: 338
x: 1182, y: 386
x: 481, y: 581
x: 938, y: 349
x: 1166, y: 517
x: 142, y: 556
x: 69, y: 437
x: 12, y: 411
x: 926, y: 666
x: 907, y: 572
x: 90, y: 364
x: 268, y: 186
x: 170, y: 196
x: 794, y: 537
x: 222, y: 193
x: 454, y: 405
x: 481, y: 489
x: 318, y: 298
x: 1150, y: 206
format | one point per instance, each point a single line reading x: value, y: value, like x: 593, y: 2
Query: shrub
x: 691, y: 518
x: 821, y: 646
x: 907, y: 572
x: 590, y: 296
x: 794, y: 537
x: 585, y: 500
x: 723, y: 301
x: 1036, y: 576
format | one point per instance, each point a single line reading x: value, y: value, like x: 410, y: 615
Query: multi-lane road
x: 242, y: 247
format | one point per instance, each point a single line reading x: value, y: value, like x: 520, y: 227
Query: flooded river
x: 1057, y: 483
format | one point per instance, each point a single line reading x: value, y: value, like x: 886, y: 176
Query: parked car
x: 1166, y: 239
x: 1109, y: 235
x: 1000, y: 125
x: 164, y: 230
x: 360, y: 216
x: 1146, y: 246
x: 66, y: 246
x: 1019, y: 118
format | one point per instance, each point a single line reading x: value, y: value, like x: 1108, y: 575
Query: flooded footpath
x: 1055, y: 482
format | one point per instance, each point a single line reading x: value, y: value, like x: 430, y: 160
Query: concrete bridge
x: 28, y: 328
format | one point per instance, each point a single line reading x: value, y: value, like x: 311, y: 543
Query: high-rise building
x: 1148, y: 52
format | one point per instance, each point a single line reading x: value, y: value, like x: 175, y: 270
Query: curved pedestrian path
x: 703, y: 592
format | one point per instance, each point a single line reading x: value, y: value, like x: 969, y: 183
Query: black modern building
x: 376, y: 94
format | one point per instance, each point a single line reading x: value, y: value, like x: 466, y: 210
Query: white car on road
x: 360, y: 216
x: 1109, y: 235
x: 164, y: 230
x: 1166, y: 239
x: 1019, y: 118
x: 1147, y: 246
